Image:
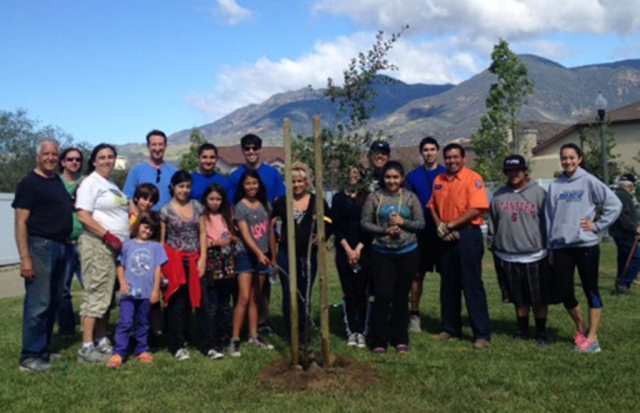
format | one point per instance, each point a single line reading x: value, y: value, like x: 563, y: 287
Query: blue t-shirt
x: 140, y: 260
x: 269, y: 176
x: 144, y: 172
x: 420, y: 182
x: 201, y: 182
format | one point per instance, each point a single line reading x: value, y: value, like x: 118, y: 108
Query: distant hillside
x: 409, y: 112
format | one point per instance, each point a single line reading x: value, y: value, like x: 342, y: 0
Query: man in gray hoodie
x: 517, y: 239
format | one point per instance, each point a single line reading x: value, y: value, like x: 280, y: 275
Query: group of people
x: 200, y: 240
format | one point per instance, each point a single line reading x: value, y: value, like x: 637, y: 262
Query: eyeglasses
x: 250, y: 148
x: 73, y: 159
x: 158, y: 176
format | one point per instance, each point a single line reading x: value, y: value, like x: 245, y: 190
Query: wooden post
x: 291, y: 244
x: 322, y: 244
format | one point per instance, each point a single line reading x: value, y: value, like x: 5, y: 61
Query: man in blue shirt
x: 155, y: 171
x: 206, y: 173
x: 270, y: 176
x: 420, y: 181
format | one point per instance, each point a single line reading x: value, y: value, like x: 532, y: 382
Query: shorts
x: 524, y: 284
x: 98, y: 266
x: 429, y: 247
x: 248, y: 262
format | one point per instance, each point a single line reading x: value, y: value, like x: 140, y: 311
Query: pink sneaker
x: 578, y: 338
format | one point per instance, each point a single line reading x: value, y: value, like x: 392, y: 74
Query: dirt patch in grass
x: 344, y: 374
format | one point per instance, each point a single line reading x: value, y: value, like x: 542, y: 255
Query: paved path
x: 11, y: 284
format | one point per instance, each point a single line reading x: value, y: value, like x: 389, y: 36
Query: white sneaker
x: 213, y: 354
x: 234, y: 348
x: 361, y: 341
x: 182, y: 354
x: 257, y: 343
x: 414, y: 324
x: 352, y: 340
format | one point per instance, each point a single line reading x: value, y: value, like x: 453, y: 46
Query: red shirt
x: 454, y: 195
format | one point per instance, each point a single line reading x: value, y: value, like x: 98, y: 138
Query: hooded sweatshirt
x: 571, y: 199
x: 517, y: 220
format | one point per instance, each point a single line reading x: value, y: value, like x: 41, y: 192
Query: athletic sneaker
x: 105, y: 347
x: 115, y: 361
x: 578, y: 338
x: 352, y: 340
x: 414, y: 324
x: 91, y: 354
x: 481, y: 344
x: 182, y: 354
x: 265, y: 329
x: 234, y: 348
x: 257, y: 343
x: 589, y: 346
x: 379, y: 351
x: 213, y: 354
x: 35, y: 365
x: 361, y: 340
x: 402, y: 348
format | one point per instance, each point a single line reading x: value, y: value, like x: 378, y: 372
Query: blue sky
x: 111, y: 70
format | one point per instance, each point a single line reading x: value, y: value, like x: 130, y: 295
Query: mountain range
x: 409, y: 112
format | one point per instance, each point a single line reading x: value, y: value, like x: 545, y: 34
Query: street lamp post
x: 601, y: 105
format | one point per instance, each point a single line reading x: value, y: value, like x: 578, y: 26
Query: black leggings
x: 587, y: 259
x: 354, y: 290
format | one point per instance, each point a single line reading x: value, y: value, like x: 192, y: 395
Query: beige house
x: 625, y: 125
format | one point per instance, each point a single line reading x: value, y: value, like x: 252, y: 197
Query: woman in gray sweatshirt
x: 573, y: 241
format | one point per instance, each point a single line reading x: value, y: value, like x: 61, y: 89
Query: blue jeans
x: 66, y: 317
x: 625, y: 278
x: 42, y: 295
x: 302, y: 274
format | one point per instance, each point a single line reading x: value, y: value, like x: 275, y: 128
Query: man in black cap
x: 517, y: 240
x: 378, y: 157
x: 625, y: 232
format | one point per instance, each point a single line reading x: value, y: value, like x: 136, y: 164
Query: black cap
x: 629, y: 178
x: 380, y: 146
x: 512, y: 162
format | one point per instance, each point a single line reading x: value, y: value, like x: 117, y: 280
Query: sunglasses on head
x: 158, y: 176
x: 73, y: 159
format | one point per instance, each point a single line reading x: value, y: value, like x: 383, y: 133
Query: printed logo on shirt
x: 437, y: 187
x: 478, y: 184
x: 517, y: 206
x: 140, y: 262
x: 118, y: 197
x: 258, y: 230
x: 571, y: 196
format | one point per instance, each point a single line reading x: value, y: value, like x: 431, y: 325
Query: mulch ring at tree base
x: 346, y: 374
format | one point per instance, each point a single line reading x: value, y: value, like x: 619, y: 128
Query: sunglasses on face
x: 250, y: 148
x: 158, y: 176
x: 73, y: 159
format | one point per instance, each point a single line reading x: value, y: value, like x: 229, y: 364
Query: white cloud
x: 230, y: 12
x: 238, y: 86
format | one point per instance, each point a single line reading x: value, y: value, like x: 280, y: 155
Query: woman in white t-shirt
x: 103, y: 212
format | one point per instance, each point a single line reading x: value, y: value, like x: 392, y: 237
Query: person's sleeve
x: 431, y: 202
x: 610, y: 205
x: 478, y: 194
x: 278, y: 185
x: 238, y: 213
x: 368, y: 212
x: 328, y: 221
x: 548, y: 215
x: 416, y: 222
x: 130, y: 183
x: 337, y: 210
x: 542, y: 217
x: 232, y: 185
x: 491, y: 225
x: 626, y: 219
x: 24, y: 196
x: 278, y: 208
x: 198, y: 207
x: 162, y: 214
x: 122, y: 255
x: 86, y: 195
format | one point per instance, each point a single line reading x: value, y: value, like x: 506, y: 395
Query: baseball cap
x: 629, y: 178
x: 380, y: 146
x: 512, y: 162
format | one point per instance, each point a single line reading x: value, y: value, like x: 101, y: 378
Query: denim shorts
x: 248, y: 262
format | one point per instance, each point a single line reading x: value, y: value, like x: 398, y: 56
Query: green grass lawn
x: 450, y: 376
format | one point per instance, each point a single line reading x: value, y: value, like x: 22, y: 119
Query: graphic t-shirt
x: 140, y: 260
x: 107, y: 204
x: 258, y: 222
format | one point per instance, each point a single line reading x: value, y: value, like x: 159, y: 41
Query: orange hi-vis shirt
x: 454, y: 195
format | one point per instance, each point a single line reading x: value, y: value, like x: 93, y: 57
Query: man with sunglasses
x: 70, y: 167
x: 270, y: 176
x: 155, y: 171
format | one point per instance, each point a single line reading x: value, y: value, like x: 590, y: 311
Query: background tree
x: 18, y: 138
x: 344, y: 144
x: 499, y: 133
x: 189, y: 160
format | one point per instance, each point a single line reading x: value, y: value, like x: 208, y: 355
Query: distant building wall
x: 8, y: 249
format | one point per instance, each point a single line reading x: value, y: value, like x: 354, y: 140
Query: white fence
x: 8, y: 250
